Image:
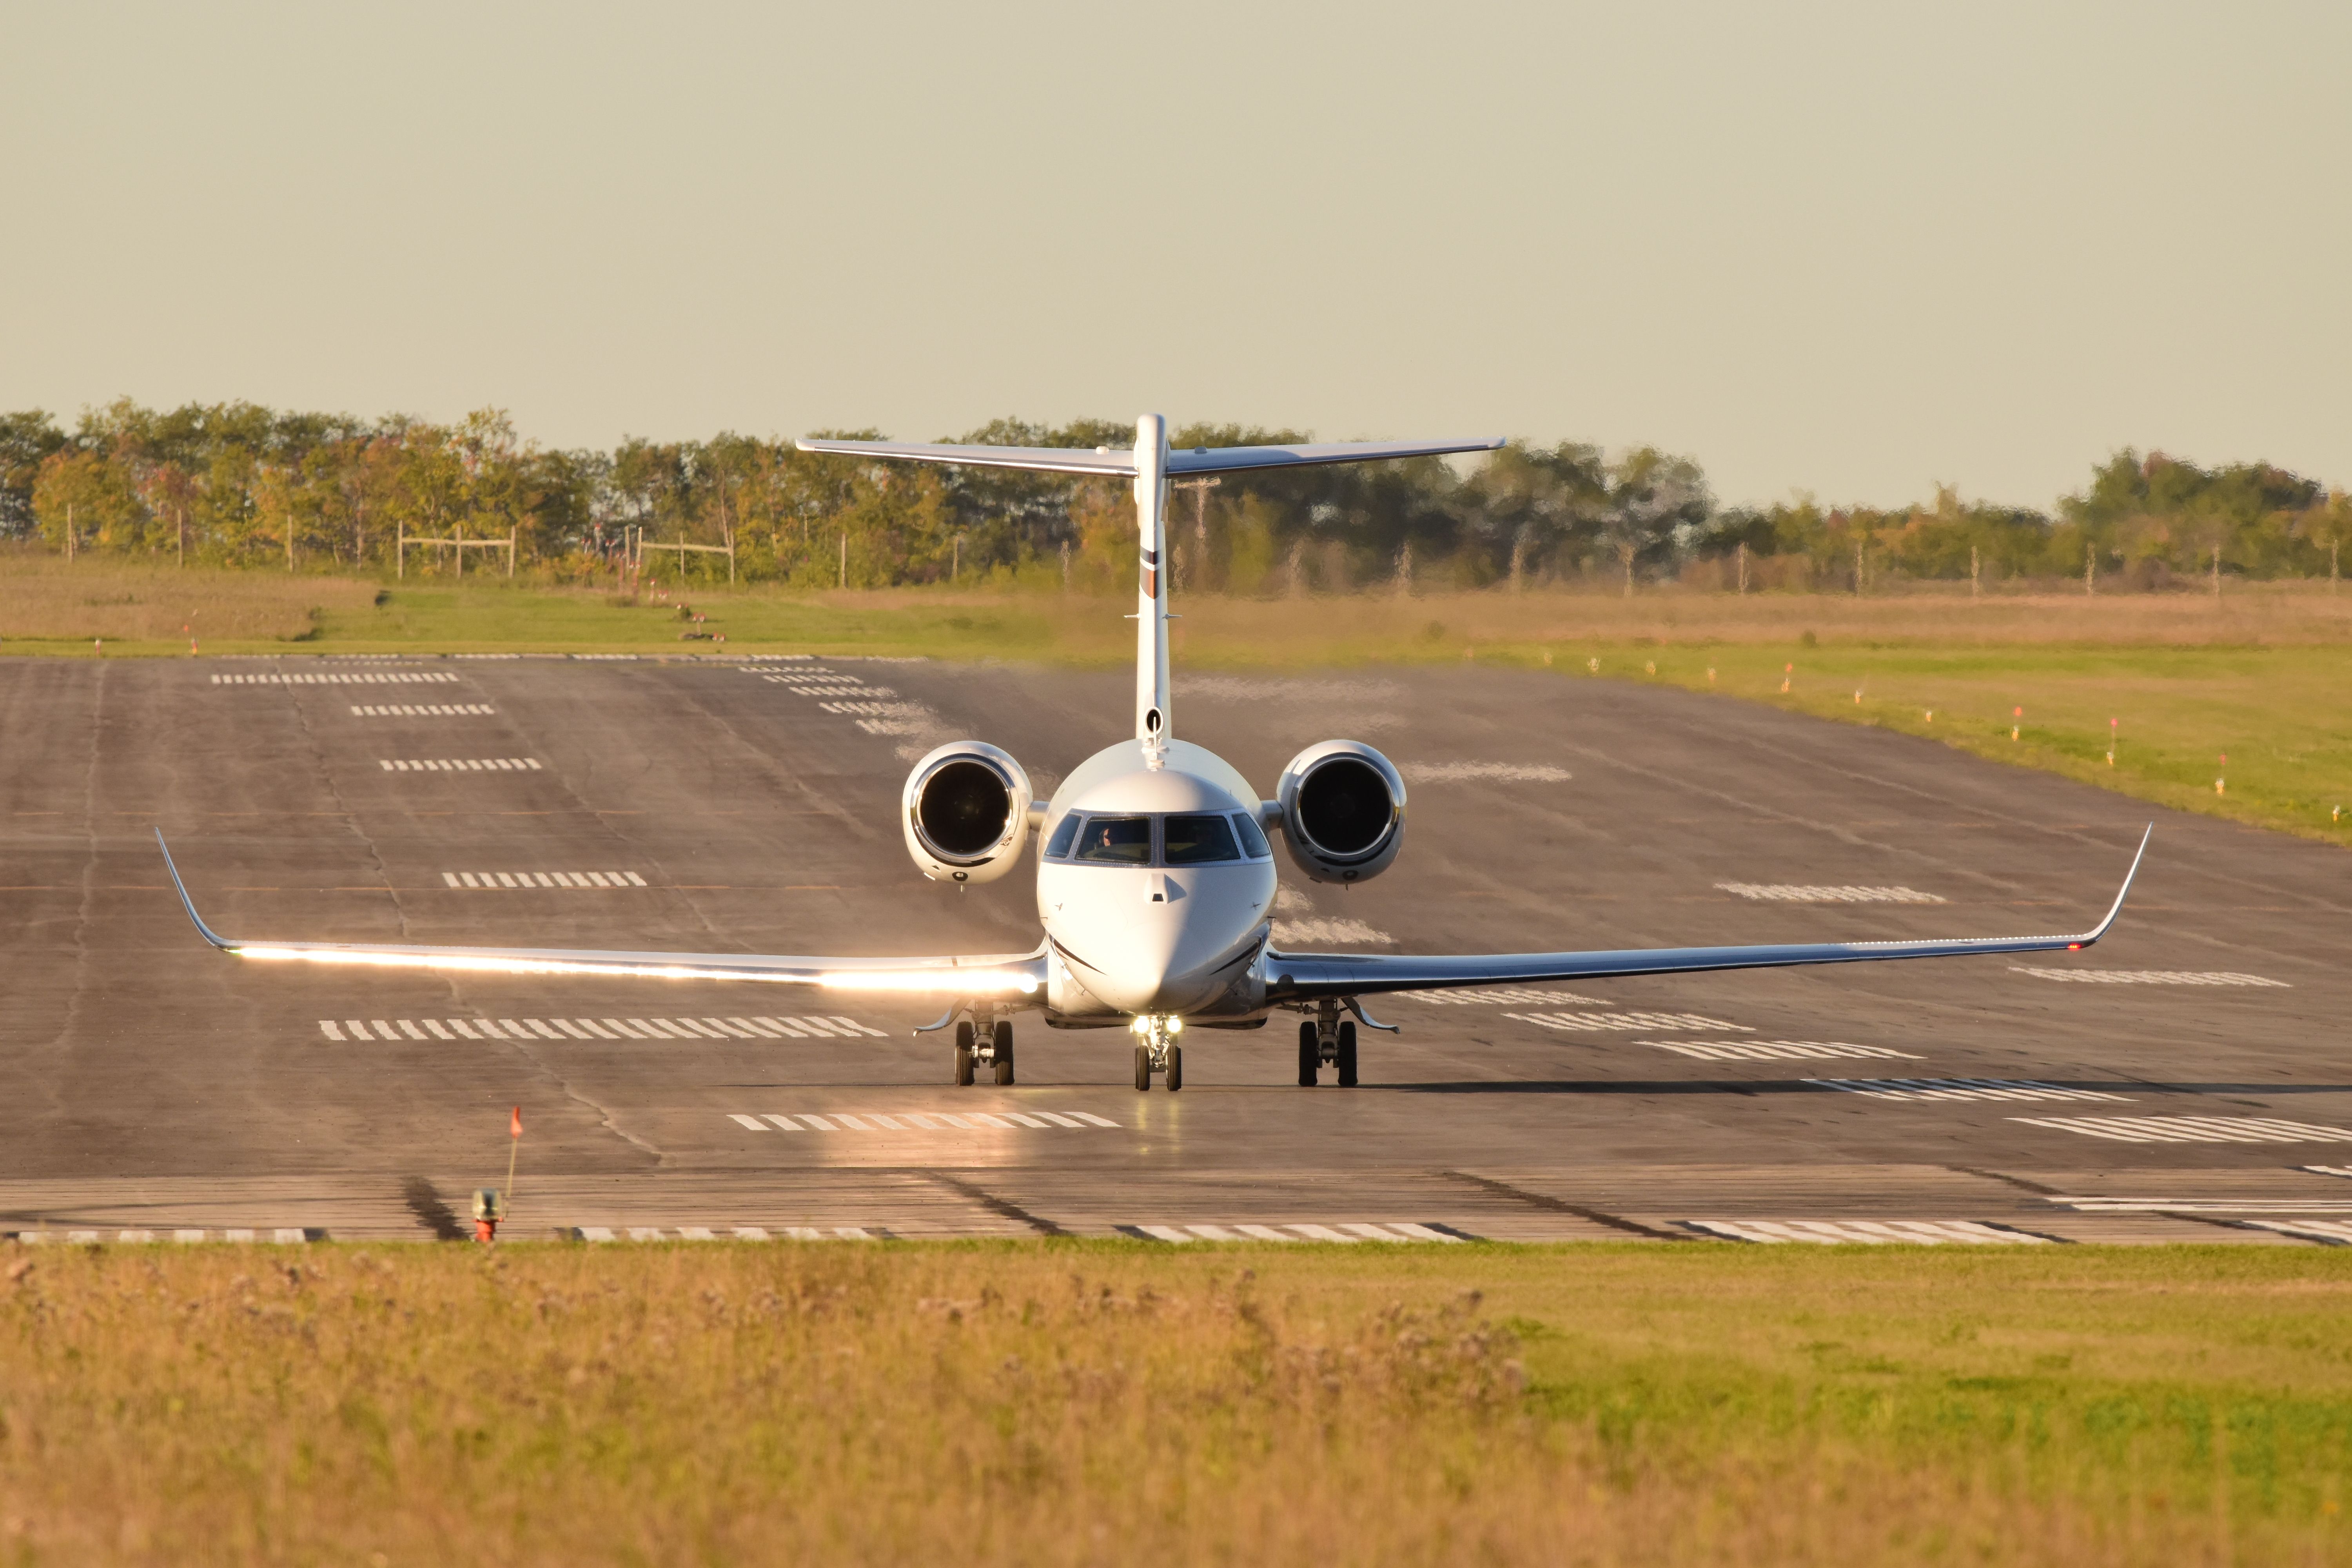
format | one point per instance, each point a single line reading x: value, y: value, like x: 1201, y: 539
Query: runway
x: 2184, y: 1081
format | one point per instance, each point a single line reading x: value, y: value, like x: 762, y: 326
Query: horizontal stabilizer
x: 1121, y: 460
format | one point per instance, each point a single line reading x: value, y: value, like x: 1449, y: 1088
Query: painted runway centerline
x: 1584, y: 1022
x: 1802, y: 893
x: 914, y: 1120
x: 495, y: 880
x: 2193, y: 1128
x: 1867, y: 1232
x: 2148, y: 976
x: 422, y: 710
x: 802, y: 1028
x: 1959, y: 1089
x: 1772, y: 1050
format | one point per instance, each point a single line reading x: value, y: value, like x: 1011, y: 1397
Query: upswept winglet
x: 188, y: 903
x: 1305, y: 976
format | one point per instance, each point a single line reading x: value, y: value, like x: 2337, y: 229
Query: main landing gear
x: 1326, y: 1039
x: 1156, y: 1051
x: 983, y: 1044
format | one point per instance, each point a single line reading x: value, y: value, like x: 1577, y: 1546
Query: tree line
x: 239, y: 485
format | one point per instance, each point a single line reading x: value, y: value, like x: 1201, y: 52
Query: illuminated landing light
x: 2074, y: 947
x: 964, y: 981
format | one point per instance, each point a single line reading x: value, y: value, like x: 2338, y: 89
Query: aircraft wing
x: 1309, y: 976
x: 1121, y: 460
x: 994, y: 975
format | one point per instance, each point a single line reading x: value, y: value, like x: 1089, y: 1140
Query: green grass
x: 1114, y: 1402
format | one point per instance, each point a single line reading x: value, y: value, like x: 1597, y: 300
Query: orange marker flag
x: 514, y: 1131
x: 514, y: 1124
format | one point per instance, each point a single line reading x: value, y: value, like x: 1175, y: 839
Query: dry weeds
x: 1085, y: 1404
x: 44, y: 597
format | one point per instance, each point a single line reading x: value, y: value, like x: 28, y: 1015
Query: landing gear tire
x: 1347, y: 1056
x: 1142, y: 1070
x: 1003, y: 1055
x: 963, y: 1055
x: 1310, y: 1055
x: 1175, y: 1069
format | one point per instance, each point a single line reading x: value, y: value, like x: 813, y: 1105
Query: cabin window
x: 1254, y: 844
x: 1065, y: 833
x: 1116, y: 840
x: 1196, y: 840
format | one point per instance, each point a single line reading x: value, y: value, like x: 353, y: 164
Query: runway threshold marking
x: 916, y: 1121
x: 804, y: 1027
x: 1867, y: 1232
x: 369, y: 678
x: 2151, y: 976
x: 2191, y: 1129
x: 1585, y: 1023
x: 1351, y: 1231
x: 1772, y: 1050
x: 1960, y: 1088
x: 495, y: 879
x: 1803, y: 893
x: 1496, y: 994
x: 459, y: 764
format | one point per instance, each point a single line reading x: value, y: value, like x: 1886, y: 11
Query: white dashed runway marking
x: 1802, y: 893
x: 369, y: 678
x: 459, y: 764
x: 914, y: 1121
x: 1496, y: 993
x: 1586, y: 1023
x: 283, y: 1236
x: 1868, y: 1232
x: 1351, y: 1231
x: 1960, y: 1088
x: 878, y: 710
x: 422, y: 711
x: 543, y: 879
x: 2149, y: 976
x: 727, y: 1233
x: 1772, y: 1050
x: 1467, y: 772
x: 2193, y: 1128
x: 1316, y: 931
x: 2329, y: 1170
x: 832, y: 1026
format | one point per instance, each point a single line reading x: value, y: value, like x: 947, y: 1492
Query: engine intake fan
x: 966, y: 810
x: 1342, y: 811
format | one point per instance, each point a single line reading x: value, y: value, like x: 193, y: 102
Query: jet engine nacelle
x: 1342, y: 811
x: 966, y: 812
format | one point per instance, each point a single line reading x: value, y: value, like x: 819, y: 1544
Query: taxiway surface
x: 2183, y: 1081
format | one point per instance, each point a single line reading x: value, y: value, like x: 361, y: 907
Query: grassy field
x: 1089, y: 1403
x: 2255, y: 678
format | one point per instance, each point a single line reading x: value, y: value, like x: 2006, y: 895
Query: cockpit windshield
x: 1195, y: 840
x: 1116, y: 840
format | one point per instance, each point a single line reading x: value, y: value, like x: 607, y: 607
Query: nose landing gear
x: 1156, y: 1050
x: 983, y: 1042
x: 1325, y: 1038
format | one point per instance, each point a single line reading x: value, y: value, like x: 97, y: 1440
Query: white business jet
x: 1154, y: 874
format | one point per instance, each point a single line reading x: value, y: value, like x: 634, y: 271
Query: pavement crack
x: 1557, y: 1205
x: 604, y: 1116
x: 994, y: 1205
x: 2019, y: 1182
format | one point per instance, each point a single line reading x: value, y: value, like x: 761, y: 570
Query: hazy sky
x: 1849, y: 249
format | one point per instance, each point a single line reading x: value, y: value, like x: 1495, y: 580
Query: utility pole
x: 1857, y: 568
x: 1199, y: 488
x: 2090, y: 564
x: 2217, y: 574
x: 844, y: 558
x: 1973, y: 589
x: 69, y: 531
x: 1743, y: 566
